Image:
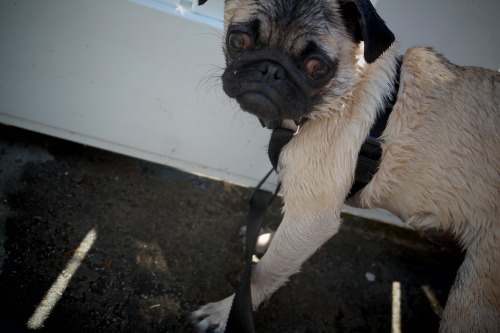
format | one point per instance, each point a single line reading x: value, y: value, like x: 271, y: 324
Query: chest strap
x: 371, y: 150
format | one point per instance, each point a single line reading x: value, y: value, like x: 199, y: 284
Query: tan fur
x: 440, y: 169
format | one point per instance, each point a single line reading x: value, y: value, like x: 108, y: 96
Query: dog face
x: 297, y: 58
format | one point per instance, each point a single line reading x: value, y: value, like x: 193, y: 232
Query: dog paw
x: 212, y: 317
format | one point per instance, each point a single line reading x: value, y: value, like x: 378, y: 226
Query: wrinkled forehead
x: 290, y: 24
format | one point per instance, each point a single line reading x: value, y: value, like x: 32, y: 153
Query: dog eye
x: 239, y: 41
x: 316, y: 68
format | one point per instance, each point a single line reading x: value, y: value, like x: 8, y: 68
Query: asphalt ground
x: 139, y: 245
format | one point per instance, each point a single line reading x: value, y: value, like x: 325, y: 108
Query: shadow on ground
x: 167, y: 241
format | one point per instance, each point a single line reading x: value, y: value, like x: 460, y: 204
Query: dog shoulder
x: 428, y: 66
x: 423, y: 54
x: 426, y: 73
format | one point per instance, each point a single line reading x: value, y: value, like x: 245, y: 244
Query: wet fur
x: 441, y: 156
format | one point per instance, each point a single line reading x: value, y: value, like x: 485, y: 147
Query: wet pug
x: 329, y: 65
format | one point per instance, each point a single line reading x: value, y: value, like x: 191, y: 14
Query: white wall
x: 465, y: 31
x: 140, y: 77
x: 126, y: 77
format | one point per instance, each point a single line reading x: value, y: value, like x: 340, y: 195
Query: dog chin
x: 265, y: 108
x: 259, y: 105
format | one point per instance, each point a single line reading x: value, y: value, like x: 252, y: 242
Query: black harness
x: 240, y: 317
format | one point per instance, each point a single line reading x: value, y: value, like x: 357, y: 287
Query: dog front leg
x: 297, y: 238
x: 316, y: 172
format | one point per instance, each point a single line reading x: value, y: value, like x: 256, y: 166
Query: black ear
x: 365, y: 25
x: 201, y: 2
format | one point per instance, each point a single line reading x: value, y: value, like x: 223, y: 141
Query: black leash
x: 240, y: 317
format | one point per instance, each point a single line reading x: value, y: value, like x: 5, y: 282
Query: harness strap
x: 371, y: 149
x: 279, y: 138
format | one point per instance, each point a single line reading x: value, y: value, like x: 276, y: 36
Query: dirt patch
x: 168, y: 241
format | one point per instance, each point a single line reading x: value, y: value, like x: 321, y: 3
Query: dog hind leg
x: 474, y: 301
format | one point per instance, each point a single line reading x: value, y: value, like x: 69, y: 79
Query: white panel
x: 212, y: 8
x: 129, y: 78
x: 465, y: 31
x: 140, y: 77
x: 174, y: 3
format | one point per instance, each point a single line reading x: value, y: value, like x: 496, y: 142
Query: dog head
x: 286, y: 59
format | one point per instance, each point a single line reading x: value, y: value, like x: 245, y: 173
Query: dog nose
x: 271, y: 70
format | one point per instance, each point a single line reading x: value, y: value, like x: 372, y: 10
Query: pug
x: 325, y: 69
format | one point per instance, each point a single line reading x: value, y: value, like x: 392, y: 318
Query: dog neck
x: 370, y: 152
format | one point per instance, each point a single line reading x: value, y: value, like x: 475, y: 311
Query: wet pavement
x: 161, y: 242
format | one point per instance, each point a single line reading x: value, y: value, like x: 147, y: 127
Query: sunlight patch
x: 55, y: 292
x: 396, y: 307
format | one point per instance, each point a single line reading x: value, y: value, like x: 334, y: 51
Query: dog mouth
x: 267, y: 90
x: 259, y: 104
x: 262, y: 100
